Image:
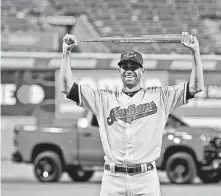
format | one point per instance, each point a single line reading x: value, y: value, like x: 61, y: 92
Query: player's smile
x: 129, y: 76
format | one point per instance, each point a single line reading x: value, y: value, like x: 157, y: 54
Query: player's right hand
x: 69, y: 42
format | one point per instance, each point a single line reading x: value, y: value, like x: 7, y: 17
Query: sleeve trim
x: 73, y: 93
x: 184, y: 95
x: 188, y: 94
x: 80, y: 98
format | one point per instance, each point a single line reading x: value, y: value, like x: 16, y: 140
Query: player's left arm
x: 196, y: 83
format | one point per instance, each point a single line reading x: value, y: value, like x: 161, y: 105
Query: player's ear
x: 142, y: 70
x: 119, y: 70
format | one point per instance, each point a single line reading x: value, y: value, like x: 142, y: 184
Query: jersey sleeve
x: 173, y: 96
x: 89, y: 98
x: 85, y: 97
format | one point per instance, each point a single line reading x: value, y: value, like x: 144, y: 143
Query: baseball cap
x: 131, y: 56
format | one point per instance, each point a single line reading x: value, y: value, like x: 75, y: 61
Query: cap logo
x: 130, y: 54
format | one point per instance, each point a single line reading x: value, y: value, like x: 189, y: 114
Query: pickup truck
x: 76, y: 148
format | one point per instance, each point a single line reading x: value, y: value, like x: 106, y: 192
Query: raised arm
x: 66, y: 77
x: 196, y: 83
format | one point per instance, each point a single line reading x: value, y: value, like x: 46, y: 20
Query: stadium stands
x: 125, y: 18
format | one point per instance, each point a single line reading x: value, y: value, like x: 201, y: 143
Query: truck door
x: 90, y: 146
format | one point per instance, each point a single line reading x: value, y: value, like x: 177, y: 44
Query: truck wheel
x: 48, y: 167
x: 77, y: 174
x: 210, y: 176
x: 181, y: 168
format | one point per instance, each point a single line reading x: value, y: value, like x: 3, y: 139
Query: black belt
x: 130, y: 169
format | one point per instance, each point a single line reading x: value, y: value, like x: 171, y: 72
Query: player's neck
x: 135, y: 88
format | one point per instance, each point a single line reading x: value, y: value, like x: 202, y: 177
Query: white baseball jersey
x: 131, y: 128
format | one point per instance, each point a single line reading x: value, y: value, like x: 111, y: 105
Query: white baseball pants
x: 123, y: 184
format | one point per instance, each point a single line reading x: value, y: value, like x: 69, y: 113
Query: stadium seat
x: 126, y: 17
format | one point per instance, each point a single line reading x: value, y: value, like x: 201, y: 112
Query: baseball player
x: 131, y: 121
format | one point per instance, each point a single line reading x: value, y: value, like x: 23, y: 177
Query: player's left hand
x: 190, y: 42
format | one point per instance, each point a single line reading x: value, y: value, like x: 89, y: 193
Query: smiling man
x: 132, y: 120
x: 131, y: 70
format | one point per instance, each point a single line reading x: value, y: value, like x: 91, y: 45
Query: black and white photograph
x: 110, y: 98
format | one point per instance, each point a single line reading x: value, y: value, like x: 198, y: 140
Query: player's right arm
x: 83, y: 95
x: 66, y: 77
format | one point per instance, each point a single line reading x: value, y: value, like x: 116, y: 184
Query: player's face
x: 131, y: 74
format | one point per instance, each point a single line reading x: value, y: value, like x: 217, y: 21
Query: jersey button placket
x: 127, y: 142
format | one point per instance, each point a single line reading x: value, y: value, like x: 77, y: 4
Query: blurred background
x: 31, y: 40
